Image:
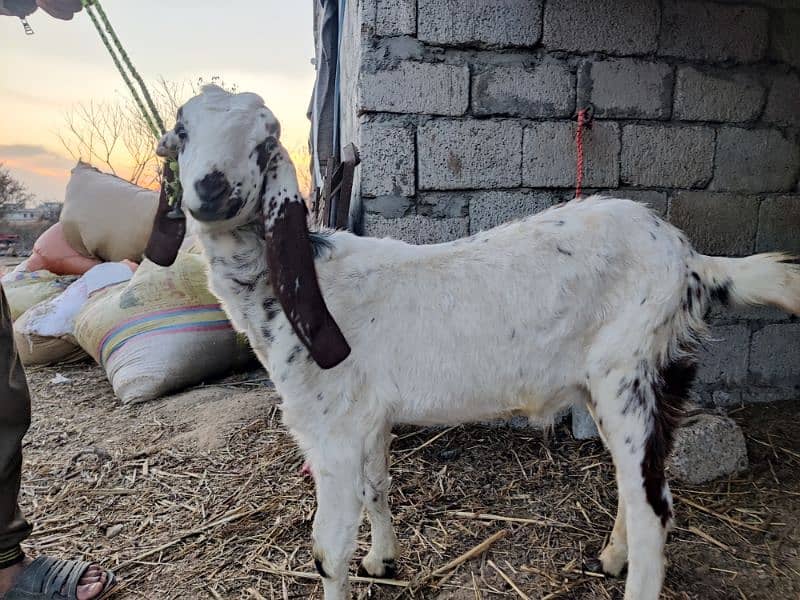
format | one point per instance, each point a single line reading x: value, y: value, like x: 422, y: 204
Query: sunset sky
x: 263, y: 47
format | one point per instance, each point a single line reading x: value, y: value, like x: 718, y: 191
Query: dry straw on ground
x: 200, y: 496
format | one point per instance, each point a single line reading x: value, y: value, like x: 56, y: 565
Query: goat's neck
x: 239, y: 277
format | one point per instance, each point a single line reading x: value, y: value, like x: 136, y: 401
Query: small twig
x: 411, y: 453
x: 264, y: 568
x: 508, y: 580
x: 456, y: 562
x: 711, y: 540
x: 720, y: 516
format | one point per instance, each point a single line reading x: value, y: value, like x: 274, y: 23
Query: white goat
x: 596, y: 301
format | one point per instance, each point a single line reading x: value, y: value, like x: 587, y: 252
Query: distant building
x: 20, y: 214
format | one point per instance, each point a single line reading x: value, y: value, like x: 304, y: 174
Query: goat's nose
x: 212, y: 188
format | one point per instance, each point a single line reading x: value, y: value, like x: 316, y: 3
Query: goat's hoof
x: 604, y: 565
x: 379, y: 569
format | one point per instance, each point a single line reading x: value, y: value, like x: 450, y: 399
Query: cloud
x: 24, y: 150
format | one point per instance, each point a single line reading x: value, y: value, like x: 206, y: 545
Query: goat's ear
x: 290, y: 258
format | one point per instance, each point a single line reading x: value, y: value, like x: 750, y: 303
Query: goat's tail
x: 759, y: 279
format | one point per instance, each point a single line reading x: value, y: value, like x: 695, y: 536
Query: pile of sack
x: 82, y: 292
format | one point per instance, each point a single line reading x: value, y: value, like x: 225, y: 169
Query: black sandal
x: 45, y: 578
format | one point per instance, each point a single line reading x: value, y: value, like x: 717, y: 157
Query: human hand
x: 60, y: 9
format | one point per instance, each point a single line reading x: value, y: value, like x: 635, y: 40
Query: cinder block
x: 583, y: 425
x: 416, y: 87
x: 396, y: 17
x: 662, y: 156
x: 627, y: 88
x: 549, y: 159
x: 783, y: 104
x: 544, y: 90
x: 444, y: 204
x: 655, y: 200
x: 455, y: 155
x: 757, y: 160
x: 714, y: 32
x: 723, y: 359
x: 387, y: 159
x: 489, y: 209
x: 775, y: 355
x: 391, y: 207
x: 785, y: 39
x: 707, y: 447
x: 716, y: 96
x: 622, y: 27
x: 416, y: 229
x: 717, y: 224
x: 480, y: 22
x: 779, y: 225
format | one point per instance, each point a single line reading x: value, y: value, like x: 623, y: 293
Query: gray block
x: 489, y: 209
x: 388, y: 159
x: 469, y: 154
x: 755, y: 160
x: 717, y: 224
x: 662, y: 156
x: 480, y: 22
x: 779, y: 225
x: 627, y: 88
x: 390, y: 206
x: 444, y: 204
x: 717, y: 96
x: 714, y: 32
x: 775, y: 355
x: 785, y: 44
x: 416, y: 87
x: 622, y: 27
x: 707, y: 447
x: 583, y: 425
x: 783, y: 104
x: 549, y: 157
x: 416, y: 229
x: 723, y: 359
x: 544, y: 90
x: 396, y: 17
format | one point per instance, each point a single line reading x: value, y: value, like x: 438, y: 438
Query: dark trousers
x: 15, y: 417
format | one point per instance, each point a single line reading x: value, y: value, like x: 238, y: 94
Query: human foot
x: 91, y: 584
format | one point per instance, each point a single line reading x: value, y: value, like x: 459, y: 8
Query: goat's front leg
x: 337, y: 465
x: 380, y: 561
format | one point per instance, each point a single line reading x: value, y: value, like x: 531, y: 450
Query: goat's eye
x: 181, y: 133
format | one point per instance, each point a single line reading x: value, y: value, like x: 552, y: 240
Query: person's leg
x: 15, y: 415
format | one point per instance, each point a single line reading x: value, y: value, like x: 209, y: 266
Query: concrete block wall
x: 464, y: 113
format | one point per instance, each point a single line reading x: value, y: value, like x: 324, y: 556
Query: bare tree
x: 116, y: 136
x: 12, y: 191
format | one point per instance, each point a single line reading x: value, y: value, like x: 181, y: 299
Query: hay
x: 481, y: 512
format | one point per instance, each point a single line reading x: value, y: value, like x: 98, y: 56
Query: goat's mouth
x: 209, y: 212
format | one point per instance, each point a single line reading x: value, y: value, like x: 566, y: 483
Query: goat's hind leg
x: 380, y: 561
x: 614, y: 556
x: 636, y: 423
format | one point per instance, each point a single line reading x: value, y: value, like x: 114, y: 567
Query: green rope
x: 151, y: 105
x: 136, y: 98
x: 153, y: 119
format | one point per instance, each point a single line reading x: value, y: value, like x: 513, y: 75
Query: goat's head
x: 224, y: 144
x: 233, y: 170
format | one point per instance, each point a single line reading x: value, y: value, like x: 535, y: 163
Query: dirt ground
x: 199, y: 496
